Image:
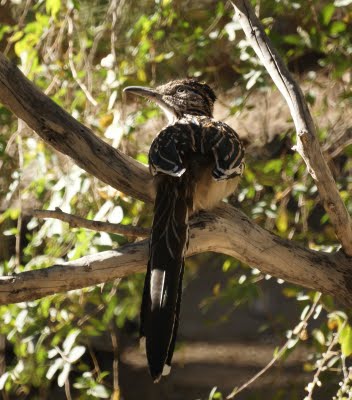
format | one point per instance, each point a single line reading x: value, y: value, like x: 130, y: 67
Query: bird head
x: 179, y: 98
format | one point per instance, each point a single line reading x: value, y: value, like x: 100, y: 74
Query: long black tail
x: 163, y: 283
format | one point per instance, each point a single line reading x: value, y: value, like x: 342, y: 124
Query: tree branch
x: 307, y: 142
x: 58, y: 128
x: 74, y: 221
x: 227, y: 231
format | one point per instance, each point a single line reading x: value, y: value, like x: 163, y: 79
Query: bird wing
x: 172, y: 150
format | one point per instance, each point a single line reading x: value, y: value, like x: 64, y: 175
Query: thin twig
x: 87, y: 316
x: 20, y: 128
x: 216, y: 20
x: 52, y: 49
x: 113, y: 13
x: 298, y: 329
x: 311, y: 386
x: 84, y: 88
x: 96, y: 370
x: 100, y: 226
x: 67, y: 389
x: 115, y: 365
x: 339, y: 143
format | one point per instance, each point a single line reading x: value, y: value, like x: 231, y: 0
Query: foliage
x: 82, y: 54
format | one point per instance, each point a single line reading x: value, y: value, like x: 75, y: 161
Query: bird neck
x: 172, y: 118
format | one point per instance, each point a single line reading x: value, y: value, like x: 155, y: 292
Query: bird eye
x: 181, y: 90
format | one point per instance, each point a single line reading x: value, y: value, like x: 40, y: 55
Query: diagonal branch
x: 75, y: 221
x: 307, y: 142
x: 227, y: 231
x: 58, y: 128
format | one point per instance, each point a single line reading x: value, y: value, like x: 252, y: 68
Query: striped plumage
x: 196, y: 161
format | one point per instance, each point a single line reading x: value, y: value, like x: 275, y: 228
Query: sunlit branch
x: 307, y: 142
x: 100, y: 226
x: 59, y: 129
x: 226, y: 231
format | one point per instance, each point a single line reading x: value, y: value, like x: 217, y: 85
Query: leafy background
x: 82, y: 344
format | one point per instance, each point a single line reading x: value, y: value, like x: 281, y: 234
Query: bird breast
x: 208, y: 192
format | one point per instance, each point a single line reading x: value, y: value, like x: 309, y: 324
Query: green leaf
x: 70, y: 340
x: 319, y: 336
x: 14, y: 213
x: 273, y: 166
x: 57, y: 364
x: 3, y: 30
x: 76, y: 353
x: 141, y: 75
x: 304, y: 312
x: 214, y: 394
x: 99, y: 391
x: 3, y: 380
x: 282, y: 220
x: 337, y: 27
x: 345, y: 340
x: 16, y: 36
x: 52, y: 353
x: 53, y: 7
x: 293, y: 39
x: 326, y: 13
x: 292, y: 343
x: 143, y: 158
x: 62, y: 378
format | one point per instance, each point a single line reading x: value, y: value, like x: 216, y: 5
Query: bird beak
x: 154, y: 96
x: 144, y: 92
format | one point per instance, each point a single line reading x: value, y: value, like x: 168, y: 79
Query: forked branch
x: 307, y: 142
x: 59, y: 129
x: 226, y: 230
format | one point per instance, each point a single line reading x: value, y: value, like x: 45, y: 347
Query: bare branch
x: 58, y: 128
x: 307, y: 142
x: 226, y: 230
x: 74, y: 221
x: 302, y: 325
x: 327, y: 355
x: 84, y: 88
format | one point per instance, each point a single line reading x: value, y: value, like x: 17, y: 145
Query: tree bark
x: 225, y: 230
x: 307, y: 141
x: 68, y: 136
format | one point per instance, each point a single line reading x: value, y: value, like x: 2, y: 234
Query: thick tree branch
x: 227, y: 231
x: 58, y: 128
x: 307, y: 142
x: 74, y: 221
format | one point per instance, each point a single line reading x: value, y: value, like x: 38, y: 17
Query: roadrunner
x: 196, y: 161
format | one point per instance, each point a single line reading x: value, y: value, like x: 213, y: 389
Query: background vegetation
x: 82, y: 54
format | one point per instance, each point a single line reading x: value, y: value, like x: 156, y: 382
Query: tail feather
x: 177, y: 320
x: 163, y: 283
